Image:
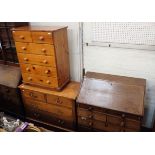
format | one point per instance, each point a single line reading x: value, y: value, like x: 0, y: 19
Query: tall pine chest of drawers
x: 43, y: 55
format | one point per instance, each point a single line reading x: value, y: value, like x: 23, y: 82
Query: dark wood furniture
x: 43, y: 55
x: 10, y: 99
x: 7, y: 46
x: 110, y: 103
x: 51, y: 107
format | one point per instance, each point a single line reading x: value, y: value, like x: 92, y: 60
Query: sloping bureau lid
x: 10, y: 76
x: 124, y: 94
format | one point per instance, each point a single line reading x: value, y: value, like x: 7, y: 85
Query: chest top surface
x: 38, y: 28
x: 124, y: 94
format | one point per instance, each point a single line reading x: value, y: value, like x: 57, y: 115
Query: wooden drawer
x: 44, y: 116
x: 22, y: 36
x: 37, y: 59
x: 132, y: 124
x: 85, y: 113
x: 115, y: 120
x: 61, y: 101
x: 56, y: 111
x: 42, y: 37
x: 43, y: 49
x: 39, y: 70
x: 99, y: 116
x: 40, y: 80
x: 34, y: 95
x: 82, y: 121
x: 22, y: 47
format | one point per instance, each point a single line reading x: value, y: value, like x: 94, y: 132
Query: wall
x: 127, y: 62
x: 74, y: 45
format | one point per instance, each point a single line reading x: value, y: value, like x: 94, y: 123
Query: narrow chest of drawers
x: 51, y: 107
x: 43, y: 55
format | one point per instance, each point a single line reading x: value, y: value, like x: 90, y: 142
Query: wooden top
x: 38, y: 28
x: 113, y: 92
x: 70, y: 91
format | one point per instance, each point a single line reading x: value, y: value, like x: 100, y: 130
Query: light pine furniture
x: 51, y: 107
x: 43, y: 55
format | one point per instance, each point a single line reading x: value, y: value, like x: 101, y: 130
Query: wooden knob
x: 48, y: 82
x: 25, y: 59
x: 21, y: 37
x: 29, y: 78
x: 90, y: 116
x: 23, y: 48
x: 47, y: 71
x: 27, y: 69
x: 122, y: 124
x: 90, y: 124
x: 43, y: 50
x: 41, y: 38
x: 123, y: 115
x: 45, y: 61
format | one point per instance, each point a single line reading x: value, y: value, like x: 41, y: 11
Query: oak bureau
x: 43, y: 55
x: 110, y: 103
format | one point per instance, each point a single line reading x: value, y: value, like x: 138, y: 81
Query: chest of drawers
x: 110, y: 103
x: 43, y: 55
x: 51, y: 107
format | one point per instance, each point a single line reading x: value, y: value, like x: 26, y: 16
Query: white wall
x: 74, y: 46
x: 126, y: 62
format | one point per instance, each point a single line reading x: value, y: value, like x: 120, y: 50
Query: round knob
x: 29, y: 78
x: 23, y: 48
x: 45, y: 61
x: 25, y: 59
x: 41, y: 38
x: 90, y: 123
x: 21, y: 37
x: 47, y: 71
x: 48, y: 82
x: 90, y: 108
x: 90, y: 116
x: 122, y: 124
x: 123, y: 115
x: 27, y: 69
x: 43, y: 50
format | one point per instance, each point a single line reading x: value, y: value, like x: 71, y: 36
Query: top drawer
x: 22, y: 36
x: 42, y: 37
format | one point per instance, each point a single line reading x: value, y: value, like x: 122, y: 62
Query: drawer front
x: 132, y: 124
x: 99, y: 116
x: 40, y: 80
x: 22, y: 36
x: 43, y: 49
x: 37, y: 59
x: 46, y: 117
x: 56, y: 111
x: 34, y: 95
x: 22, y: 47
x: 60, y: 101
x: 85, y: 113
x: 39, y: 70
x: 82, y: 121
x: 42, y: 37
x: 111, y: 119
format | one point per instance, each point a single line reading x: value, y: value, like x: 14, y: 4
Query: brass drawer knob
x: 23, y: 48
x: 45, y: 61
x: 26, y: 59
x: 48, y: 82
x: 43, y: 50
x: 122, y: 124
x: 29, y: 78
x: 47, y: 71
x: 27, y: 69
x: 41, y: 38
x: 21, y: 37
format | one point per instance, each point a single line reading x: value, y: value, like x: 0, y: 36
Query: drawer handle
x: 58, y: 101
x: 36, y: 115
x: 90, y: 108
x: 90, y: 124
x: 48, y: 82
x: 32, y: 95
x: 29, y: 78
x: 23, y: 48
x: 83, y: 118
x: 90, y: 116
x: 26, y: 59
x: 47, y: 71
x: 41, y: 38
x: 45, y: 61
x: 43, y: 50
x: 122, y: 124
x: 123, y: 115
x: 27, y: 69
x: 21, y: 37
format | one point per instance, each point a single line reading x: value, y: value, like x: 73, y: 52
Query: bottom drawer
x: 47, y: 117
